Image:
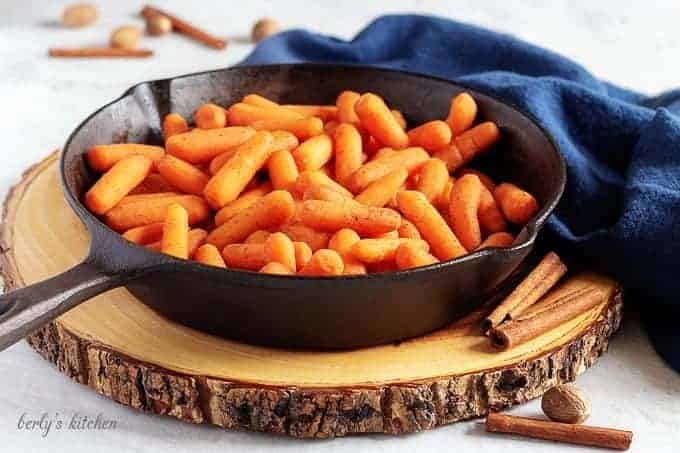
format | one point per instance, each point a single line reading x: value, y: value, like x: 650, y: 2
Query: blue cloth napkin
x: 621, y: 209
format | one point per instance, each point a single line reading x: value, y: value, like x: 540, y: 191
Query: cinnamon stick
x: 99, y: 52
x: 593, y: 436
x: 186, y: 28
x: 531, y: 289
x: 513, y: 333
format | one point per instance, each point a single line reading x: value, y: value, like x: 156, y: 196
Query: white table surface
x: 633, y: 43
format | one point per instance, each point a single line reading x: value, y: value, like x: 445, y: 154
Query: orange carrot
x: 382, y: 266
x: 210, y: 116
x: 517, y: 205
x: 345, y: 104
x: 199, y: 145
x: 323, y: 112
x: 410, y: 255
x: 500, y: 239
x: 283, y: 140
x: 323, y: 262
x: 484, y: 178
x: 326, y: 193
x: 433, y: 228
x: 303, y: 253
x: 103, y: 157
x: 347, y: 143
x: 342, y: 242
x: 376, y: 250
x: 399, y: 118
x: 153, y: 183
x: 282, y: 170
x: 134, y: 198
x: 451, y: 156
x: 332, y: 216
x: 244, y: 114
x: 432, y: 136
x: 411, y: 159
x: 145, y: 234
x: 408, y: 230
x: 273, y: 209
x: 182, y: 175
x: 244, y: 256
x: 279, y: 248
x: 382, y: 190
x: 257, y: 237
x: 383, y: 152
x: 491, y: 218
x: 313, y: 153
x: 259, y: 101
x: 196, y: 238
x: 371, y: 145
x: 301, y: 233
x: 378, y: 120
x: 302, y: 128
x: 432, y: 179
x: 330, y: 127
x: 209, y: 255
x: 275, y: 269
x: 462, y: 113
x: 152, y: 210
x: 475, y: 141
x: 463, y: 206
x: 232, y: 178
x: 174, y: 124
x: 175, y: 240
x: 117, y: 182
x: 442, y: 202
x: 317, y: 178
x: 246, y: 200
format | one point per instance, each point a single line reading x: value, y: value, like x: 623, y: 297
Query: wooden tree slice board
x: 125, y: 351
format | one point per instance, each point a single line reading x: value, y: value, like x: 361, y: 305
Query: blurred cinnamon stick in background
x: 186, y: 28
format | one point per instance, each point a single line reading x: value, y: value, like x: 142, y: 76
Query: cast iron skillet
x: 315, y: 313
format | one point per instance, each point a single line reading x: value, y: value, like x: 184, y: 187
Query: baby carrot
x: 410, y: 255
x: 303, y: 253
x: 376, y: 250
x: 103, y: 157
x: 244, y: 114
x: 182, y: 175
x: 244, y: 201
x: 153, y: 183
x: 383, y: 152
x: 382, y: 266
x: 517, y: 205
x: 442, y: 201
x: 483, y: 177
x: 342, y: 242
x: 210, y: 116
x: 332, y: 216
x: 273, y: 209
x: 134, y: 198
x: 408, y: 230
x: 432, y: 136
x: 302, y: 128
x: 399, y: 118
x: 209, y: 255
x: 378, y: 120
x: 500, y: 239
x: 491, y: 218
x: 259, y: 101
x: 381, y: 191
x: 283, y: 170
x: 411, y: 159
x: 326, y: 193
x: 301, y: 233
x: 323, y: 112
x: 117, y: 182
x: 152, y: 210
x: 371, y: 145
x: 257, y: 237
x: 283, y: 141
x: 432, y: 179
x: 323, y: 262
x: 462, y: 113
x: 275, y: 269
x: 232, y: 178
x: 345, y: 103
x: 244, y: 256
x: 313, y: 153
x: 174, y: 124
x: 279, y: 248
x: 199, y: 145
x: 463, y: 206
x: 175, y: 240
x: 196, y: 238
x: 144, y: 234
x: 475, y: 141
x: 451, y: 156
x: 317, y: 178
x: 347, y: 145
x: 433, y: 228
x: 330, y: 127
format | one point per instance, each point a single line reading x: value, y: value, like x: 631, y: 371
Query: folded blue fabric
x: 621, y: 209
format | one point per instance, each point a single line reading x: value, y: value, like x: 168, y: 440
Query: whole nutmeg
x: 264, y: 28
x: 157, y: 25
x: 79, y: 15
x: 565, y: 403
x: 126, y: 37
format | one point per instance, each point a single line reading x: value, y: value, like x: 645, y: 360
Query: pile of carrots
x: 311, y: 190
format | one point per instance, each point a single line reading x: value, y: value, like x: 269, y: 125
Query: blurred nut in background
x: 126, y: 37
x: 157, y: 25
x: 79, y: 15
x: 264, y: 28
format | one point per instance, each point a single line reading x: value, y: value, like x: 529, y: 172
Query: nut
x: 126, y: 37
x: 79, y: 15
x: 157, y: 25
x: 566, y: 404
x: 264, y: 28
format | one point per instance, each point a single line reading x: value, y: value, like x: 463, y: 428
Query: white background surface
x: 633, y: 43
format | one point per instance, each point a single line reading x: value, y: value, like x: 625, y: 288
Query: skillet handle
x: 26, y: 309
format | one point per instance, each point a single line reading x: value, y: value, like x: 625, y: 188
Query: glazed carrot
x: 317, y: 178
x: 210, y: 116
x: 174, y: 124
x: 500, y: 239
x: 282, y: 170
x: 152, y: 210
x: 432, y: 136
x: 408, y: 230
x: 475, y: 141
x: 411, y: 159
x: 433, y: 228
x: 313, y: 153
x: 303, y: 253
x: 378, y: 120
x: 517, y: 205
x: 244, y: 256
x: 342, y: 242
x: 332, y: 216
x: 283, y: 141
x: 442, y: 202
x: 371, y: 145
x: 381, y: 191
x: 376, y: 250
x: 257, y: 237
x: 301, y: 233
x: 410, y: 255
x: 273, y: 209
x: 491, y: 218
x: 199, y: 145
x: 232, y: 178
x: 275, y: 269
x: 432, y: 179
x: 484, y: 178
x: 326, y: 193
x: 209, y: 255
x: 244, y: 201
x: 145, y: 234
x: 323, y: 262
x: 451, y: 156
x: 259, y: 101
x: 103, y: 157
x: 383, y: 152
x: 279, y: 248
x: 399, y: 118
x: 462, y: 113
x: 182, y: 175
x: 345, y: 103
x: 463, y: 206
x: 302, y: 128
x: 347, y: 145
x: 196, y: 238
x: 244, y: 114
x: 330, y: 127
x: 175, y: 240
x: 323, y: 112
x: 153, y: 183
x: 117, y: 182
x: 134, y: 198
